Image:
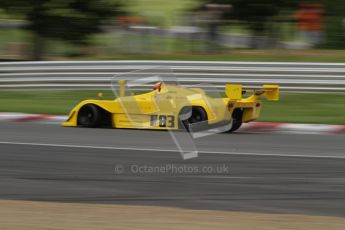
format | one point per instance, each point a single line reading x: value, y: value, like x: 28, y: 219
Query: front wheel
x: 89, y: 116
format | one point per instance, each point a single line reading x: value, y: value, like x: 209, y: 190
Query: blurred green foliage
x: 260, y: 15
x: 161, y: 12
x: 335, y: 24
x: 62, y: 29
x: 69, y: 20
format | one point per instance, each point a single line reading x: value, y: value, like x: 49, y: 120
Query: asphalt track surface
x: 46, y: 162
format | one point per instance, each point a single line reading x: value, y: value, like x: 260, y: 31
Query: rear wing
x: 235, y: 91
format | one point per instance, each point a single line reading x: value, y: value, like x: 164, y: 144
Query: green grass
x: 293, y: 107
x: 238, y: 55
x: 306, y: 108
x: 49, y: 102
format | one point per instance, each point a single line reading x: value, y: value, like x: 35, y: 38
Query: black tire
x: 195, y: 114
x: 236, y: 120
x: 90, y: 116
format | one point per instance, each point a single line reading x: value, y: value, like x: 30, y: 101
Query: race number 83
x: 163, y: 120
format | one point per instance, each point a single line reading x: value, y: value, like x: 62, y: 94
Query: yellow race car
x: 171, y: 106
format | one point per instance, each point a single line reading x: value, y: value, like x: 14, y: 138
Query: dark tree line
x: 258, y: 15
x: 68, y: 20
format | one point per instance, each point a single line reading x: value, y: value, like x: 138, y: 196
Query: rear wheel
x: 194, y: 115
x: 90, y: 116
x: 236, y: 120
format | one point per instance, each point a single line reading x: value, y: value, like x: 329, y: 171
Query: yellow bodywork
x: 145, y: 111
